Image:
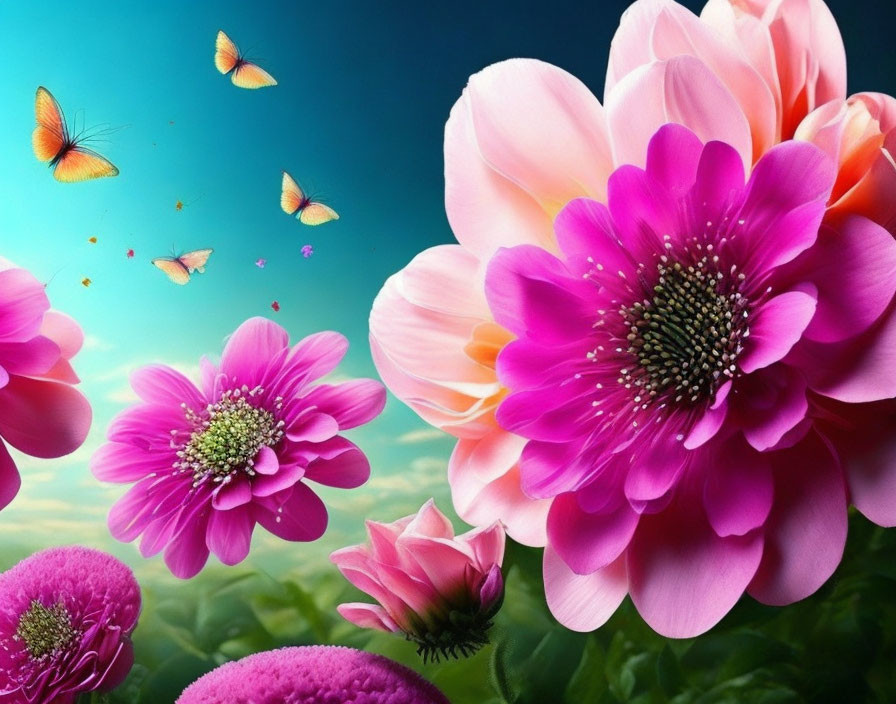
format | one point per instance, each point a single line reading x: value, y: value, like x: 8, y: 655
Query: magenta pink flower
x: 663, y: 376
x: 323, y: 674
x: 211, y: 462
x: 439, y: 590
x: 66, y: 617
x: 41, y: 414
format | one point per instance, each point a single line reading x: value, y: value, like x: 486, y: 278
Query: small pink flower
x: 307, y: 251
x: 66, y: 617
x: 441, y: 591
x: 665, y: 376
x: 41, y: 413
x: 322, y: 674
x: 260, y: 263
x: 211, y: 462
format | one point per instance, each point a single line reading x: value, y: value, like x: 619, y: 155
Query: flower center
x: 687, y: 337
x: 45, y: 630
x: 228, y: 439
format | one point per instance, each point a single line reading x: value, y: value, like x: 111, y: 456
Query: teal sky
x: 358, y: 116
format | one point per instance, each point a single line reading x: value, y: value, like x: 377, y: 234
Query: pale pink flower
x: 208, y: 463
x: 439, y: 590
x: 41, y: 413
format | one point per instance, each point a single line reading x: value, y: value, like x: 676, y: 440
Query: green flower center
x: 688, y: 336
x: 45, y: 630
x: 229, y: 437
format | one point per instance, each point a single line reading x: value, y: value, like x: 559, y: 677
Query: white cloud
x: 421, y: 435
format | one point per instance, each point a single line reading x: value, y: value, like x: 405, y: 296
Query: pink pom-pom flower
x: 212, y: 462
x: 440, y: 590
x: 66, y: 617
x: 323, y: 674
x: 41, y: 413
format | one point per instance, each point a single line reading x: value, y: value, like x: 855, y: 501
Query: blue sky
x: 358, y: 116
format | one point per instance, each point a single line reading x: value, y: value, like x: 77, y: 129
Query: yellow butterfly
x: 179, y: 269
x: 243, y: 73
x: 309, y: 212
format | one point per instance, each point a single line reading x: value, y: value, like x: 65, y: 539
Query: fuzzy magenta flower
x: 211, y: 462
x: 323, y: 674
x: 41, y: 413
x: 66, y: 617
x: 663, y: 378
x: 439, y: 590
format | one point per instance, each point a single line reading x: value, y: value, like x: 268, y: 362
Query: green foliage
x: 837, y: 646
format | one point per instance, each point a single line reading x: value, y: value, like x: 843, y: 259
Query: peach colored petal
x: 662, y: 29
x: 682, y: 90
x: 434, y: 343
x: 524, y: 139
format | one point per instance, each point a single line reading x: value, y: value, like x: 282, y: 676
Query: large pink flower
x: 526, y: 138
x: 66, y: 618
x: 211, y: 462
x: 41, y: 413
x: 663, y: 374
x: 438, y: 589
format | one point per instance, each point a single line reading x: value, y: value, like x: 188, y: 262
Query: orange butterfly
x: 86, y: 282
x: 179, y: 268
x: 52, y: 142
x: 294, y: 202
x: 92, y: 240
x: 243, y: 73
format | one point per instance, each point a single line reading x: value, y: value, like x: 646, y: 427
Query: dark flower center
x: 687, y: 337
x: 45, y: 630
x: 229, y: 437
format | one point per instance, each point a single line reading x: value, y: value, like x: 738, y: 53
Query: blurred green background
x: 365, y: 88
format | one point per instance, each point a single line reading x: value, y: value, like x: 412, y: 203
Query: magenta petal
x: 655, y: 470
x: 230, y: 495
x: 165, y: 386
x: 10, y: 481
x: 229, y: 534
x: 683, y: 578
x: 585, y: 541
x: 187, y: 554
x: 719, y: 182
x: 583, y: 602
x: 285, y: 477
x: 312, y: 427
x: 22, y: 305
x: 351, y: 403
x: 347, y: 470
x: 311, y: 358
x: 120, y: 463
x: 737, y: 491
x: 776, y: 327
x: 249, y: 350
x: 531, y: 293
x: 706, y: 428
x: 672, y: 158
x: 854, y: 266
x: 302, y: 518
x: 34, y: 357
x: 773, y: 402
x: 266, y: 461
x: 806, y: 531
x: 441, y: 559
x: 586, y: 234
x: 43, y: 418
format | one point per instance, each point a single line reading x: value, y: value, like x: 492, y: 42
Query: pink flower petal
x: 10, y: 481
x: 707, y: 426
x: 230, y: 495
x: 165, y: 386
x: 854, y: 266
x: 806, y: 530
x: 249, y: 350
x: 655, y: 470
x: 772, y: 403
x: 442, y: 560
x: 486, y: 544
x: 187, y: 554
x: 346, y: 470
x: 287, y: 475
x: 684, y: 578
x: 737, y: 491
x: 308, y: 360
x: 585, y: 541
x: 351, y: 403
x: 43, y: 418
x: 302, y: 518
x: 64, y: 331
x: 368, y: 616
x: 22, y: 305
x: 430, y: 522
x: 312, y: 427
x: 583, y: 602
x: 120, y: 463
x: 775, y: 328
x: 229, y: 534
x: 34, y: 357
x: 681, y: 90
x: 266, y: 461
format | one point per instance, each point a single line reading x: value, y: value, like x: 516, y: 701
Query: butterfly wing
x: 317, y: 214
x: 80, y: 164
x: 292, y: 197
x: 176, y: 271
x: 249, y: 75
x: 195, y: 260
x: 51, y: 134
x: 226, y: 53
